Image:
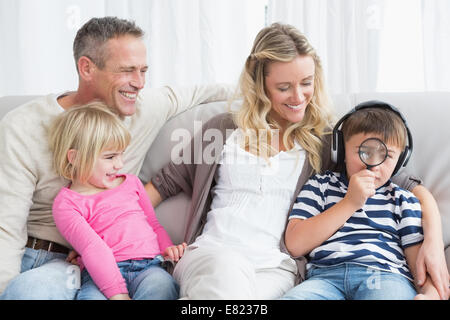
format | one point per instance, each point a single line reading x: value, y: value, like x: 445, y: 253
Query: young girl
x: 107, y: 217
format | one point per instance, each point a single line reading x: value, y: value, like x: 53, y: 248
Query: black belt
x: 39, y: 244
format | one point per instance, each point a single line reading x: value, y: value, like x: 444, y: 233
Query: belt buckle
x: 34, y: 243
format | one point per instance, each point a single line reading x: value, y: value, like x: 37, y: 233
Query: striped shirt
x: 374, y: 235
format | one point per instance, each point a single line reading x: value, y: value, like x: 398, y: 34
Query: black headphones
x: 337, y: 146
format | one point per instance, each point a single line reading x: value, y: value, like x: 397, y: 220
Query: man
x: 110, y: 58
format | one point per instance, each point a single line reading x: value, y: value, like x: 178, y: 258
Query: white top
x: 251, y: 203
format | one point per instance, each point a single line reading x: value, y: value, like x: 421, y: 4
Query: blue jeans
x: 44, y: 276
x: 353, y: 282
x: 146, y: 279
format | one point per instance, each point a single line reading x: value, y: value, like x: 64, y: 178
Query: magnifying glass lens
x: 373, y: 152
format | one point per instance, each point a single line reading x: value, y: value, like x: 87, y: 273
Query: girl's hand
x: 174, y: 252
x: 120, y: 296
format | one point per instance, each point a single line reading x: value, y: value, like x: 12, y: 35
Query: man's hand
x: 72, y: 257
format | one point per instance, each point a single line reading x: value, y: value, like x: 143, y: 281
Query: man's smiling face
x: 123, y: 76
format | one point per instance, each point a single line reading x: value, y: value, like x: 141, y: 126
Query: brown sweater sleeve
x: 179, y: 174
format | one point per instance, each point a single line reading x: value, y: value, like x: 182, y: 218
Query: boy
x: 361, y: 231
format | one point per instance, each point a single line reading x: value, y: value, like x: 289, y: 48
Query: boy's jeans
x: 44, y: 276
x: 352, y: 282
x: 146, y: 280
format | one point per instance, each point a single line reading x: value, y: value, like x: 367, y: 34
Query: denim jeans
x: 146, y: 279
x: 352, y: 282
x: 44, y: 276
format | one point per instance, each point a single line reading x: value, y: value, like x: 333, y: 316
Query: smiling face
x: 290, y: 88
x: 123, y: 76
x: 106, y: 167
x: 383, y: 172
x: 103, y: 175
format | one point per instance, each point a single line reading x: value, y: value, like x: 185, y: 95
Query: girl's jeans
x: 352, y: 282
x: 146, y: 279
x: 44, y: 276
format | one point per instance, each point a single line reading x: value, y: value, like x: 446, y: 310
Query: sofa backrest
x: 427, y: 116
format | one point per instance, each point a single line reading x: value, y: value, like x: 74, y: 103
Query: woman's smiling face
x: 290, y: 88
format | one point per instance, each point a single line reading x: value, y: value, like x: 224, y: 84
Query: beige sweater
x: 28, y: 183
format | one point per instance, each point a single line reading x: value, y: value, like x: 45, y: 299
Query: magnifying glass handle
x: 369, y: 167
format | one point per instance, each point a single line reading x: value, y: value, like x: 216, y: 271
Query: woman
x: 240, y: 202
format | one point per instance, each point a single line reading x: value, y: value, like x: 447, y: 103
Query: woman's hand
x: 431, y: 256
x: 431, y: 260
x: 174, y: 252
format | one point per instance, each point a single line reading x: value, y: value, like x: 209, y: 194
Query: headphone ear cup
x: 334, y: 144
x: 337, y: 137
x: 340, y: 148
x: 401, y: 161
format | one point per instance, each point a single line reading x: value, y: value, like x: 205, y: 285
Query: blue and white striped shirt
x: 374, y: 235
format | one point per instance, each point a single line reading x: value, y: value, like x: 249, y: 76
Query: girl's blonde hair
x: 88, y: 129
x: 280, y: 42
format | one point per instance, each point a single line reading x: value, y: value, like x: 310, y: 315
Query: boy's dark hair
x: 381, y: 121
x: 91, y: 38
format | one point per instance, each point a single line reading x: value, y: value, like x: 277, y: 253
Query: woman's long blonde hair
x: 280, y: 42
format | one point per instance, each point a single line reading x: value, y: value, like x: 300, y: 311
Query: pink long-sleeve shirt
x: 108, y: 227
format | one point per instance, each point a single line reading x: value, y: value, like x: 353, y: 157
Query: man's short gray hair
x: 91, y: 38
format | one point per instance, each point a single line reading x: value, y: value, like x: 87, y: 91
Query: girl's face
x: 290, y: 88
x: 106, y: 167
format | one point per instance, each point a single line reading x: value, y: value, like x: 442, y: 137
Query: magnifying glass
x: 372, y: 152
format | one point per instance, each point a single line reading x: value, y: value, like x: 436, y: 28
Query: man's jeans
x: 352, y: 282
x: 146, y: 279
x: 44, y: 276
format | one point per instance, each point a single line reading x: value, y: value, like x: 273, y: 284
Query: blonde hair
x: 280, y: 42
x: 88, y: 129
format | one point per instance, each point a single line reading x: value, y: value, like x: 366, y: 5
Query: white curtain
x: 188, y: 41
x: 375, y: 45
x: 365, y: 45
x: 436, y: 29
x: 345, y: 33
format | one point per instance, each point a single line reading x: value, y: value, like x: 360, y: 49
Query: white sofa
x: 427, y: 115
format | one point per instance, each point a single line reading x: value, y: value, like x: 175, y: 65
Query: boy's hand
x: 174, y: 252
x: 361, y: 187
